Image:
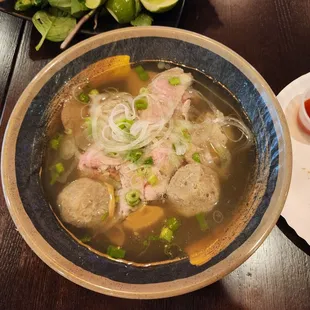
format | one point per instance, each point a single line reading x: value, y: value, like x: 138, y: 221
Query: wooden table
x: 274, y: 36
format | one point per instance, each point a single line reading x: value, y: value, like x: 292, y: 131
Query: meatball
x: 83, y: 202
x: 193, y: 189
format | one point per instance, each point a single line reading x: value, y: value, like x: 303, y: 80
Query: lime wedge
x: 93, y: 4
x: 124, y: 11
x: 159, y: 6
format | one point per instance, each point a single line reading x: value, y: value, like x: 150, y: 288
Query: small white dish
x: 297, y: 207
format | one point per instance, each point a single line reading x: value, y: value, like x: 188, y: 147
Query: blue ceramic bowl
x: 23, y: 150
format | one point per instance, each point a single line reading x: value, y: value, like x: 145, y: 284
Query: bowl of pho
x: 146, y: 163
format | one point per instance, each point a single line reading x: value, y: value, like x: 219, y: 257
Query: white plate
x: 297, y: 208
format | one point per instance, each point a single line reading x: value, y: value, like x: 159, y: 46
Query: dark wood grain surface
x: 273, y: 35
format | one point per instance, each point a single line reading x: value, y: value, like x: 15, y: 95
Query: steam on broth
x: 145, y: 163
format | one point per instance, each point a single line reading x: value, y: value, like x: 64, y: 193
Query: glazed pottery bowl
x: 23, y: 150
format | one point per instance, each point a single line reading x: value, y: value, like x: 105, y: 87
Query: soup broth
x: 131, y: 199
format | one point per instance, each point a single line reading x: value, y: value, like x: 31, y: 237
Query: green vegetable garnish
x: 166, y: 234
x: 55, y: 142
x: 59, y: 167
x: 54, y: 177
x: 143, y: 75
x: 186, y: 134
x: 196, y: 157
x: 142, y: 20
x: 134, y: 155
x: 133, y: 198
x: 141, y: 104
x: 144, y: 171
x: 83, y: 97
x: 85, y: 239
x: 173, y: 223
x: 202, y: 221
x: 152, y: 180
x: 23, y: 5
x: 125, y: 124
x: 94, y: 92
x: 116, y: 252
x: 56, y: 171
x: 54, y: 25
x: 174, y: 81
x: 148, y: 161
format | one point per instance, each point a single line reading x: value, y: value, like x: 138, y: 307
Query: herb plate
x: 170, y: 19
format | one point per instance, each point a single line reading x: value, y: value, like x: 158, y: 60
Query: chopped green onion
x: 134, y: 155
x: 85, y: 239
x: 123, y: 127
x: 141, y: 104
x: 116, y: 252
x: 54, y: 177
x: 55, y: 142
x: 94, y: 92
x: 84, y: 98
x: 56, y: 171
x: 202, y: 221
x: 133, y: 198
x: 144, y: 171
x: 166, y: 234
x: 143, y: 75
x: 149, y: 161
x: 125, y: 124
x: 104, y: 216
x: 113, y: 154
x: 196, y: 157
x: 152, y: 180
x: 173, y: 223
x: 186, y: 134
x: 139, y: 69
x: 174, y: 81
x: 125, y: 120
x: 59, y: 167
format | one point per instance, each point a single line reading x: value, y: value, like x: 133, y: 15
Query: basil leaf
x: 53, y: 27
x: 64, y: 5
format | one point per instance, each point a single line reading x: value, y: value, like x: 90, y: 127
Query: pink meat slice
x: 164, y: 97
x: 96, y: 159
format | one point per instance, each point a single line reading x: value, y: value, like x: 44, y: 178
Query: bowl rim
x: 142, y: 291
